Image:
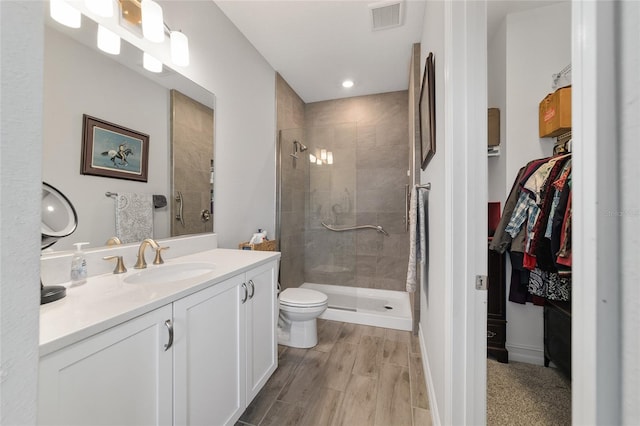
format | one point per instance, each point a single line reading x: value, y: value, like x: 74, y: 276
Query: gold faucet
x: 120, y: 268
x: 113, y: 241
x: 141, y: 263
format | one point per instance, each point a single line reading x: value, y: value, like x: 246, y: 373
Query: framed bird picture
x: 113, y: 151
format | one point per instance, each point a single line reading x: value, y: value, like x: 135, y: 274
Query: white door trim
x: 465, y: 72
x: 595, y: 306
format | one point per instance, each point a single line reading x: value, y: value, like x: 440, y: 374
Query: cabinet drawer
x: 496, y: 333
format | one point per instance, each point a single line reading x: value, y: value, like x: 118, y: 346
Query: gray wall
x: 368, y: 136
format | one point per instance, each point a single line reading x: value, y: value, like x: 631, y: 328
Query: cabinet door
x: 262, y: 317
x: 209, y: 355
x: 121, y: 376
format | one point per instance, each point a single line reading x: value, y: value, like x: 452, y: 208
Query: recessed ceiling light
x: 347, y: 83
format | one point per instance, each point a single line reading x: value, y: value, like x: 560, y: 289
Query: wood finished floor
x: 356, y: 375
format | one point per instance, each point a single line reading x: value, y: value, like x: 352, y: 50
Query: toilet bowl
x: 299, y: 308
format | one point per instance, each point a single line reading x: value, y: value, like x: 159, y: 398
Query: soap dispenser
x: 78, y: 266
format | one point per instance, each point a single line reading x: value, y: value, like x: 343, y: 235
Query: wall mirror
x: 80, y: 79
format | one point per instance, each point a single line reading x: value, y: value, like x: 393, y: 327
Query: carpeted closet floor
x: 526, y: 394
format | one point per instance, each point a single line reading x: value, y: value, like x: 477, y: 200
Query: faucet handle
x: 113, y: 241
x: 158, y: 260
x: 120, y: 268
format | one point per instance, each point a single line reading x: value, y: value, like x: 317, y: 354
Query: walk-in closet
x: 529, y: 212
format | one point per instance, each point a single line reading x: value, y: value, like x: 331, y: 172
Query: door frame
x: 596, y: 320
x: 465, y: 38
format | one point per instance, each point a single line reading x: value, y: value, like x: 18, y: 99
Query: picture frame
x: 427, y: 111
x: 113, y: 151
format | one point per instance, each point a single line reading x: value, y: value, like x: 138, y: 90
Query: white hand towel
x: 134, y: 217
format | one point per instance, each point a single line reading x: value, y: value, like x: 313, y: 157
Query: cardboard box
x: 493, y: 127
x: 554, y: 117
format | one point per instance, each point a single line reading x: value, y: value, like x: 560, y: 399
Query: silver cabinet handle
x: 180, y: 201
x: 246, y: 293
x: 169, y: 326
x: 253, y: 289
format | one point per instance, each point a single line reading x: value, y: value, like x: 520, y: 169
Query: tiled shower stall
x: 359, y: 177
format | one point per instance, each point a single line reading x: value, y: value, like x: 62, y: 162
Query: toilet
x: 299, y: 308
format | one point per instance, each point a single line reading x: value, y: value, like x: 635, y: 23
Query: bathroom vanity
x: 194, y: 350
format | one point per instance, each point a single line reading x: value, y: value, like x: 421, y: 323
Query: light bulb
x: 108, y: 41
x: 179, y: 49
x: 102, y: 8
x: 152, y: 21
x: 150, y: 63
x: 64, y: 13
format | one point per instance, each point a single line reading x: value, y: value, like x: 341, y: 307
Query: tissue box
x: 270, y: 245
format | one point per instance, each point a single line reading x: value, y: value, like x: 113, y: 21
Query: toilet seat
x: 302, y: 297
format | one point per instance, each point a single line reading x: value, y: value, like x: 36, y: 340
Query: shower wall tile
x: 366, y: 136
x: 390, y: 134
x: 366, y: 185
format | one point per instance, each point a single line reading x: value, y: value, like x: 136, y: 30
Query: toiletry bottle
x: 78, y: 266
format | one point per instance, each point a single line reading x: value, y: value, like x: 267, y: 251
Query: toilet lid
x: 302, y: 297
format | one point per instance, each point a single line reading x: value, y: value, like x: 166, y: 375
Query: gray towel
x: 134, y: 217
x: 418, y: 236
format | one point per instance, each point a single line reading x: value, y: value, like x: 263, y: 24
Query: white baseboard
x: 525, y: 353
x: 433, y: 402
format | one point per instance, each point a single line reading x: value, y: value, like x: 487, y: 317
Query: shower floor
x: 379, y: 308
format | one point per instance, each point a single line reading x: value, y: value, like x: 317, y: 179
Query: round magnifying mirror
x: 58, y: 219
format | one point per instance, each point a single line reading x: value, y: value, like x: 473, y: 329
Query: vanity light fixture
x: 108, y: 41
x: 64, y: 13
x: 150, y: 63
x: 179, y: 48
x: 152, y: 21
x: 103, y: 8
x: 147, y: 15
x: 347, y: 84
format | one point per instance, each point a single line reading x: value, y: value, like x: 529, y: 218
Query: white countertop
x: 106, y: 300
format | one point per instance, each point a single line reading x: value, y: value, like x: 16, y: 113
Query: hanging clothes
x: 536, y: 230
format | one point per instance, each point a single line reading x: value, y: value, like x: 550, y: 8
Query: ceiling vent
x: 386, y: 14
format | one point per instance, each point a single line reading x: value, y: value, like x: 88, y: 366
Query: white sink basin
x: 162, y: 274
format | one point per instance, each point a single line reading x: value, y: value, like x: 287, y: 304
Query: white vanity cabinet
x: 261, y: 313
x: 208, y: 355
x: 223, y: 351
x: 122, y: 376
x: 225, y: 347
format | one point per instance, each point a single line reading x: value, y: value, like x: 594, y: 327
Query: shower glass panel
x: 317, y: 185
x: 330, y: 257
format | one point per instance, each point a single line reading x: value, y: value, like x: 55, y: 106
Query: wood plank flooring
x: 357, y: 375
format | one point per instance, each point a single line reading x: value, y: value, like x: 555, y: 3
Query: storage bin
x: 493, y: 127
x: 555, y: 113
x: 269, y: 245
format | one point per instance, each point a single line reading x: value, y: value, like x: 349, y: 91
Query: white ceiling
x: 315, y: 45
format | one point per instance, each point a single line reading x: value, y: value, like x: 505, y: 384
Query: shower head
x: 303, y: 147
